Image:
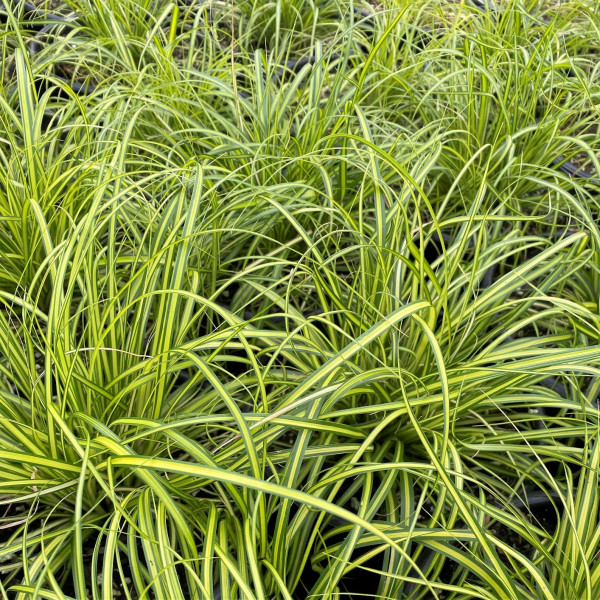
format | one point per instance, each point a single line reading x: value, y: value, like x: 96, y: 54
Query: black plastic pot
x: 571, y: 169
x: 544, y: 508
x: 31, y: 11
x: 55, y: 21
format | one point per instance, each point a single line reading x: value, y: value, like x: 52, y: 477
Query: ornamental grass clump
x: 299, y: 300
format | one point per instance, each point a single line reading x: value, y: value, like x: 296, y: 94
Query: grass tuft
x: 299, y: 300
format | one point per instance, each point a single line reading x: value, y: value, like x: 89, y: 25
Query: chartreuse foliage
x: 296, y: 302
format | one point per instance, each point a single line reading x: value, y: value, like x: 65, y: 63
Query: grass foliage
x: 296, y: 302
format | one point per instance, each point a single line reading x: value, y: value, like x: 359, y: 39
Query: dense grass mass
x: 299, y: 299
